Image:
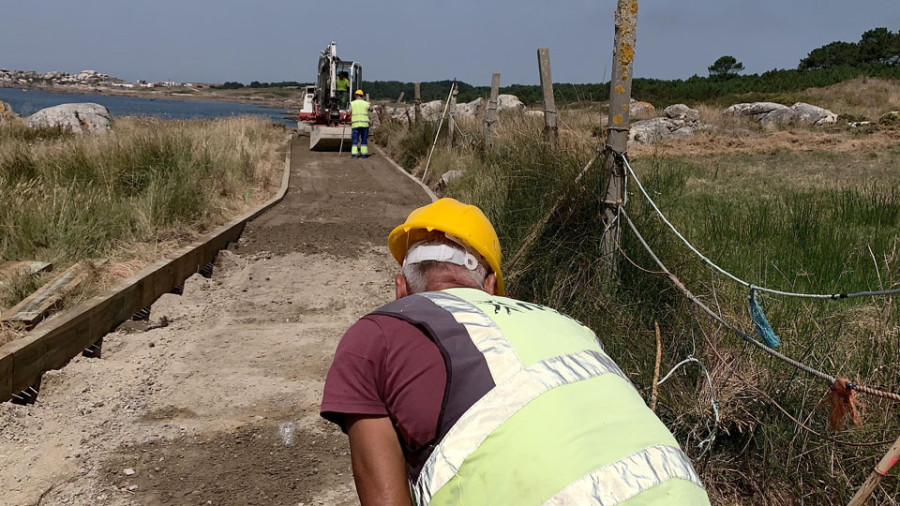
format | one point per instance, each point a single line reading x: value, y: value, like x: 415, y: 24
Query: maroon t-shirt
x: 387, y: 366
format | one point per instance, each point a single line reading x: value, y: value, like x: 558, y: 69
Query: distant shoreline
x: 164, y: 93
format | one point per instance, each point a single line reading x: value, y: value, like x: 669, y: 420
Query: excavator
x: 325, y: 113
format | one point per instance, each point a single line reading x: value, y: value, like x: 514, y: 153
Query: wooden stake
x: 551, y: 132
x: 418, y: 105
x: 655, y: 391
x: 490, y: 115
x: 400, y: 98
x: 617, y: 129
x: 451, y: 120
x: 865, y: 491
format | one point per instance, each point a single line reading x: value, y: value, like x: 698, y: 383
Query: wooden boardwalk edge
x: 23, y: 361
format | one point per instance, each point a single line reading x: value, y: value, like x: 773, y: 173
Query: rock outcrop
x: 679, y: 121
x: 449, y: 177
x: 639, y: 109
x: 681, y: 111
x: 30, y: 77
x: 78, y: 118
x: 431, y: 111
x: 509, y: 103
x: 469, y: 109
x: 772, y: 116
x: 813, y: 115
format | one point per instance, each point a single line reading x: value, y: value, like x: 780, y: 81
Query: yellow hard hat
x: 465, y: 223
x: 358, y: 92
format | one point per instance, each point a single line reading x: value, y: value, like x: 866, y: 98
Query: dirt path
x: 219, y: 403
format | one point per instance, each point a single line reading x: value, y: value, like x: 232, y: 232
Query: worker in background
x: 479, y: 399
x: 359, y: 123
x: 342, y: 88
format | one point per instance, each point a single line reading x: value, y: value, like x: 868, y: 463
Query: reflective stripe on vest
x: 497, y: 406
x: 621, y: 480
x: 359, y: 110
x: 488, y: 338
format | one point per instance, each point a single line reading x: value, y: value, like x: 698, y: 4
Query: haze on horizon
x: 406, y: 40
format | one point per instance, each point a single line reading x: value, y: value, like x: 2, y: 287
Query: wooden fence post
x: 451, y: 113
x: 490, y: 115
x: 400, y: 99
x: 551, y: 132
x: 418, y: 105
x: 617, y: 129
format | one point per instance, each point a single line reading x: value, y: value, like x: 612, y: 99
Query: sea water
x: 27, y: 102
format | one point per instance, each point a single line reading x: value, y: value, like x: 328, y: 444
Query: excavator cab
x: 331, y: 107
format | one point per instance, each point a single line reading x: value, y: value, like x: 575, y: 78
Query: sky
x: 407, y: 40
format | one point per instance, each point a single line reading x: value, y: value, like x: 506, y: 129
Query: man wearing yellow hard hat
x: 359, y: 122
x: 454, y: 394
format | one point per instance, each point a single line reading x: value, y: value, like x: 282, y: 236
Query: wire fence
x: 740, y: 333
x: 751, y: 286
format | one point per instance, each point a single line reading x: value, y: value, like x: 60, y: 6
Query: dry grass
x: 126, y: 198
x: 864, y: 97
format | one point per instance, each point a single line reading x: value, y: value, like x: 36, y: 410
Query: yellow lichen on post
x: 634, y: 8
x: 618, y: 119
x: 626, y: 54
x: 620, y: 88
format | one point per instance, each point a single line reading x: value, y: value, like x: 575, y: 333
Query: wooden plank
x: 6, y: 376
x: 49, y: 354
x: 33, y: 309
x: 28, y: 361
x: 24, y: 360
x: 112, y: 310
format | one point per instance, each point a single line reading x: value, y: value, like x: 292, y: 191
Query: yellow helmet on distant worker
x: 359, y: 92
x: 463, y: 222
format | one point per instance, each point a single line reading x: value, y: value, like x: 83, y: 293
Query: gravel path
x: 217, y: 401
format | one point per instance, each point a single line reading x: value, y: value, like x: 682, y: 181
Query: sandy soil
x: 216, y: 400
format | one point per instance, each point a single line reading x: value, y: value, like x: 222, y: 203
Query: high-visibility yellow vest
x: 535, y: 412
x: 342, y: 84
x: 359, y: 112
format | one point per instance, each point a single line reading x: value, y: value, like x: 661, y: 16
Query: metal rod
x: 440, y: 124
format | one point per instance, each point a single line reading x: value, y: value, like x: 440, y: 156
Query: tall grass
x: 66, y: 197
x: 794, y: 220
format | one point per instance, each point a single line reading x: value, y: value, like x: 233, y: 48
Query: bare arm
x: 379, y: 468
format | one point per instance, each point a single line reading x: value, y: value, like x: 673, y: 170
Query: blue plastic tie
x: 763, y: 329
